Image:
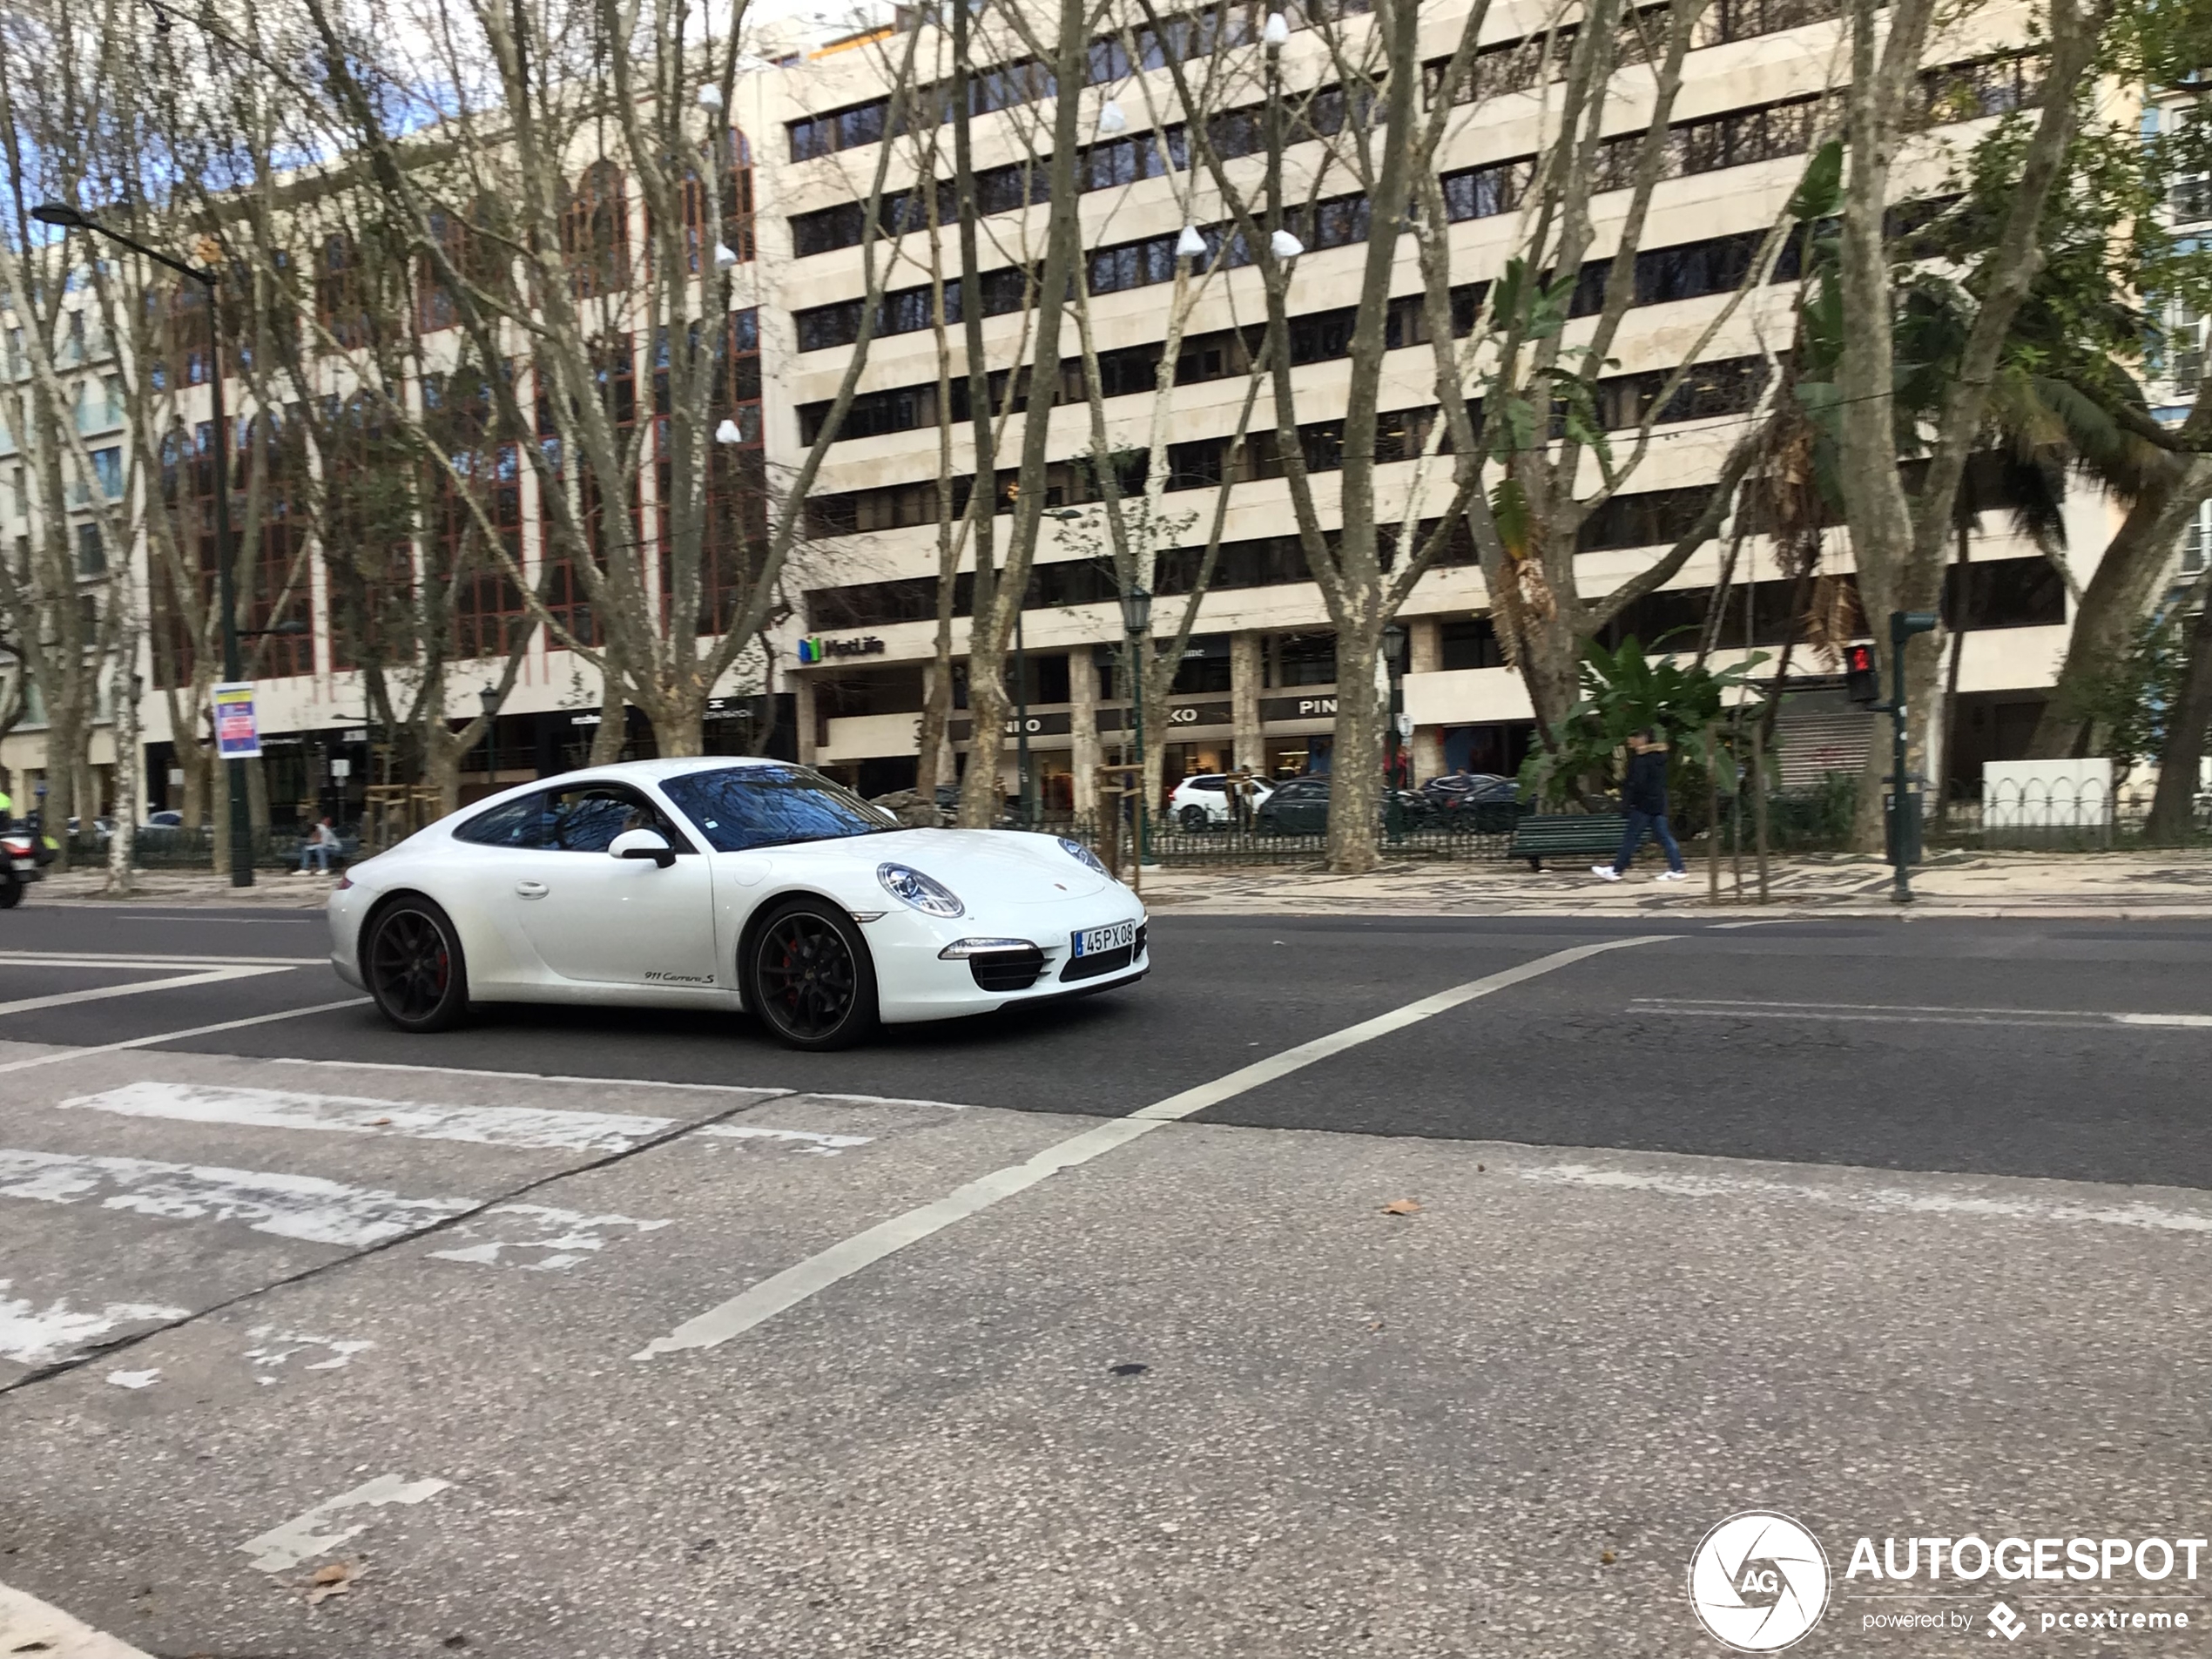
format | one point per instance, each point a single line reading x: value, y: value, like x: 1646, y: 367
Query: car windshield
x: 743, y: 807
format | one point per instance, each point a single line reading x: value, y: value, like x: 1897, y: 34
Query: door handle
x: 532, y: 889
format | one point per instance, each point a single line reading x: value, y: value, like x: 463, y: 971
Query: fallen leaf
x: 378, y: 1122
x: 1402, y: 1207
x: 1478, y: 1168
x: 1605, y: 1559
x: 32, y: 1647
x: 337, y: 1578
x: 456, y: 1640
x: 1127, y: 1368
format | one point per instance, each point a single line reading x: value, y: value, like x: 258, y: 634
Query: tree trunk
x: 2172, y: 809
x: 1356, y: 761
x: 441, y: 775
x: 2115, y: 603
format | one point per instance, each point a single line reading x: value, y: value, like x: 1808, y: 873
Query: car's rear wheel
x: 415, y: 967
x: 810, y: 979
x: 1194, y: 818
x: 11, y: 886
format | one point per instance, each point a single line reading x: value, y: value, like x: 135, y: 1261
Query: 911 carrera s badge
x: 654, y: 976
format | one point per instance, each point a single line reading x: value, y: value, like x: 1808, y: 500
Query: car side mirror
x: 643, y: 844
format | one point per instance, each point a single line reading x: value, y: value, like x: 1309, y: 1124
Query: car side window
x: 515, y: 823
x: 587, y: 818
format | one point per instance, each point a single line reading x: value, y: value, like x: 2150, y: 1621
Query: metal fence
x: 171, y: 847
x: 1222, y: 844
x: 2082, y: 815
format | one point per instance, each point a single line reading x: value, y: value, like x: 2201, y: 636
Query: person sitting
x: 321, y: 845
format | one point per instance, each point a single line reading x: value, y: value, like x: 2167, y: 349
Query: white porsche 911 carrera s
x: 727, y: 883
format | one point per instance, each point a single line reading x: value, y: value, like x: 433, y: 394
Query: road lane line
x: 1904, y: 1013
x: 1885, y: 1199
x: 147, y: 958
x: 61, y: 1055
x: 765, y: 1091
x: 305, y: 1207
x: 817, y: 1273
x: 519, y: 1126
x: 31, y: 1335
x: 283, y: 1548
x: 28, y: 1625
x: 100, y: 993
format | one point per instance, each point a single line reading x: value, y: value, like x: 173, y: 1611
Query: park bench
x: 1547, y: 835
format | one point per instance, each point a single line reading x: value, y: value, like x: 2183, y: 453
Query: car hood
x: 983, y: 866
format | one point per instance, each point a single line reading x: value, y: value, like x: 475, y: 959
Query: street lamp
x: 1137, y: 625
x: 490, y: 698
x: 62, y: 217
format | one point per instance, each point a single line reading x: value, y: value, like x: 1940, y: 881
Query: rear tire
x: 809, y: 978
x: 11, y: 891
x: 414, y: 966
x: 1196, y: 819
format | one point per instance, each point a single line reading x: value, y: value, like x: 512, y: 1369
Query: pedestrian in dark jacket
x: 1643, y: 797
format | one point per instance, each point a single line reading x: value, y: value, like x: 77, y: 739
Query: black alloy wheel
x: 415, y: 967
x: 812, y: 981
x: 1195, y: 819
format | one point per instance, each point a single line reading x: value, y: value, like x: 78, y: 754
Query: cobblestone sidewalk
x: 2116, y: 885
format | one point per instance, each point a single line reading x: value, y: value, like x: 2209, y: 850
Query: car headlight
x: 1082, y: 854
x: 912, y: 888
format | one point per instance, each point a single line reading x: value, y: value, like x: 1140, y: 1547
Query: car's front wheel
x: 414, y: 967
x: 810, y: 977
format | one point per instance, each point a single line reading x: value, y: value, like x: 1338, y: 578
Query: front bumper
x: 914, y: 981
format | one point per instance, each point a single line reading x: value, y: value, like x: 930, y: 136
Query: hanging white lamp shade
x: 710, y: 97
x: 1284, y: 246
x: 1190, y: 245
x: 1275, y: 34
x: 723, y: 258
x: 1110, y: 119
x: 728, y: 433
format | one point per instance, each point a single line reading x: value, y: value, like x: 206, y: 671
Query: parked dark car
x: 1478, y: 801
x: 1300, y: 807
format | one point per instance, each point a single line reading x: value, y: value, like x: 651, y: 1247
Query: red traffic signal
x: 1862, y: 675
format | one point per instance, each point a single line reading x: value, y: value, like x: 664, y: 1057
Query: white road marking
x: 28, y: 1625
x: 565, y: 1237
x: 59, y: 1055
x: 828, y: 1145
x: 147, y: 960
x: 1765, y: 921
x: 279, y: 1346
x: 1886, y: 1199
x: 1904, y: 1013
x: 817, y: 1273
x: 283, y: 1548
x: 36, y: 1336
x: 888, y: 1100
x: 134, y: 1379
x: 519, y: 1126
x: 305, y: 1207
x: 102, y: 992
x: 545, y: 1076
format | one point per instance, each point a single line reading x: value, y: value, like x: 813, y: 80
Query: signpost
x: 238, y: 734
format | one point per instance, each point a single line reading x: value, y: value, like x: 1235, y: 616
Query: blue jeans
x: 319, y: 856
x: 1639, y: 822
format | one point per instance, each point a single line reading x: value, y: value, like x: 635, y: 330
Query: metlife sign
x: 814, y: 648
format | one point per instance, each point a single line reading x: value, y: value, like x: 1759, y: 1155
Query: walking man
x: 1643, y: 797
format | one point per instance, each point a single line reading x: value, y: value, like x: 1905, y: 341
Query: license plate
x: 1096, y: 942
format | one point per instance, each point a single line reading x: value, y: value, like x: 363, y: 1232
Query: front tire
x: 809, y: 977
x: 415, y: 969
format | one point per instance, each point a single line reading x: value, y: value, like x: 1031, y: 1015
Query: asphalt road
x: 574, y: 1334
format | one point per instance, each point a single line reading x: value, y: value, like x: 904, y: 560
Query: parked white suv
x: 1202, y: 802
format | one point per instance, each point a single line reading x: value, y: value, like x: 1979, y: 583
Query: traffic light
x: 1862, y: 675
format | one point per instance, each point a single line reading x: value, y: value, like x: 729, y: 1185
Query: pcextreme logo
x: 1758, y: 1581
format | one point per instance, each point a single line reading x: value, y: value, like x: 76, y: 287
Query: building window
x: 91, y: 551
x: 595, y: 232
